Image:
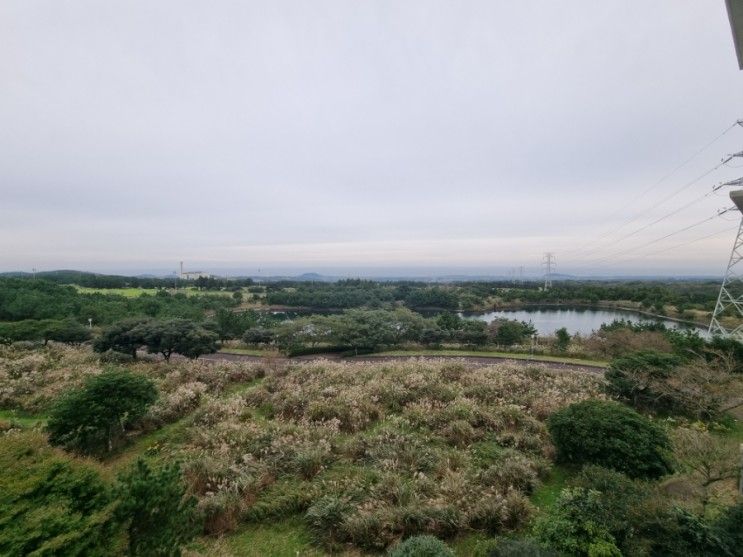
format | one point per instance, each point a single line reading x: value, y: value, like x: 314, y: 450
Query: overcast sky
x: 365, y: 137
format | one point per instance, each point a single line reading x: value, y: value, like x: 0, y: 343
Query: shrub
x: 52, y: 503
x: 153, y: 506
x: 728, y: 526
x: 94, y: 418
x: 611, y: 435
x: 507, y: 332
x: 664, y: 383
x: 68, y: 331
x: 421, y: 546
x: 562, y: 339
x: 326, y: 516
x: 515, y: 547
x: 628, y: 377
x: 574, y: 526
x: 113, y: 357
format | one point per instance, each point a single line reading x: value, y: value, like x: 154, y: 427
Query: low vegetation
x: 127, y: 443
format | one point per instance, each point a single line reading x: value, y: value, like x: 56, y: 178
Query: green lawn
x: 126, y: 292
x: 478, y: 354
x: 136, y: 292
x: 546, y: 495
x: 245, y: 351
x: 21, y: 418
x: 286, y: 538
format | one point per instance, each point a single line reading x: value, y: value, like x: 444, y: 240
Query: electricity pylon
x: 549, y: 263
x: 730, y: 298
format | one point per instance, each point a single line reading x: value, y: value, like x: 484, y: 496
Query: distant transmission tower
x: 730, y: 298
x: 550, y: 264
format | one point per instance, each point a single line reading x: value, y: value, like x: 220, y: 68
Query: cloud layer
x: 464, y: 135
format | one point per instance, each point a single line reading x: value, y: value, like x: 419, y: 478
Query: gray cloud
x: 465, y: 135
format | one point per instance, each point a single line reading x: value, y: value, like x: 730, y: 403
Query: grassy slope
x: 286, y: 537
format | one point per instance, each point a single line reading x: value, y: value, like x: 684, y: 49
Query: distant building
x: 193, y: 275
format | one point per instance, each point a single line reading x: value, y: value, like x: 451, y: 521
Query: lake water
x: 576, y: 320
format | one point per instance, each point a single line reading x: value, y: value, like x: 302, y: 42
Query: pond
x: 581, y: 320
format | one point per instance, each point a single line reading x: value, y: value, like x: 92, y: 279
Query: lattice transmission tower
x: 730, y: 299
x: 549, y: 262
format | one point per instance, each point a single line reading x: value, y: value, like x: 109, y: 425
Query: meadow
x: 319, y: 457
x: 338, y: 455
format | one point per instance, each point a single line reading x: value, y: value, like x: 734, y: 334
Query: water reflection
x: 577, y: 320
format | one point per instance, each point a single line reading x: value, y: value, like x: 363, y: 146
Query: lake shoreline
x: 598, y: 305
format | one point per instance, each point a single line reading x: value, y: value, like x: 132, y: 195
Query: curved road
x: 472, y: 360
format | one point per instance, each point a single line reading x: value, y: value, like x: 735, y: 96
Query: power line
x: 656, y: 184
x: 677, y: 246
x: 679, y: 231
x: 656, y: 221
x: 656, y: 204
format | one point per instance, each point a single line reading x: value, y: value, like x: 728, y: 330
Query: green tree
x: 94, y: 419
x: 155, y: 510
x: 232, y: 324
x: 574, y: 526
x: 258, y: 335
x: 610, y: 435
x: 52, y: 503
x: 562, y: 339
x: 449, y: 320
x: 124, y: 336
x: 181, y: 336
x: 668, y: 384
x: 68, y: 331
x: 507, y: 332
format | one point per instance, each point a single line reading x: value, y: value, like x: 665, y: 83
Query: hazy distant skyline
x: 456, y: 136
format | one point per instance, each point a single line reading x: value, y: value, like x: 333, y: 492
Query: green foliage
x: 181, y: 336
x: 668, y: 384
x: 258, y: 335
x: 562, y: 339
x: 574, y: 526
x: 507, y: 332
x: 67, y: 331
x: 421, y: 546
x: 124, y: 336
x: 729, y: 347
x: 94, y: 419
x: 634, y: 515
x: 153, y: 507
x: 51, y: 503
x: 326, y: 516
x: 611, y: 435
x: 232, y: 324
x: 515, y: 547
x: 625, y: 378
x: 41, y: 299
x: 729, y: 527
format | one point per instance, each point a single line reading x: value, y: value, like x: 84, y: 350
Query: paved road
x: 472, y: 360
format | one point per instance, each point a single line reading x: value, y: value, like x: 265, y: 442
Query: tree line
x: 25, y: 299
x: 372, y: 329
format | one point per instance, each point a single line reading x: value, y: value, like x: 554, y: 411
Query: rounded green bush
x: 421, y: 546
x: 611, y: 435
